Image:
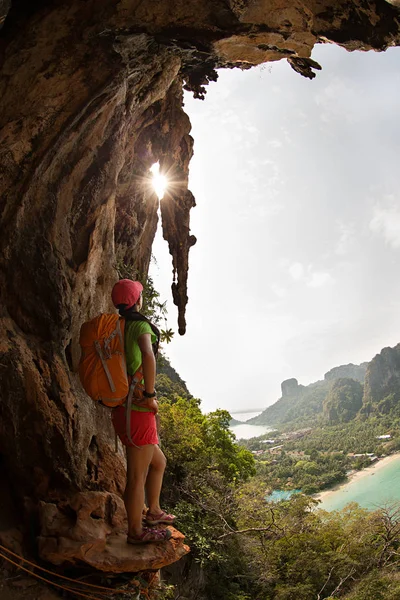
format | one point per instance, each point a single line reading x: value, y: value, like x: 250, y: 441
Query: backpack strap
x: 106, y: 354
x: 121, y: 339
x: 105, y: 367
x: 135, y: 379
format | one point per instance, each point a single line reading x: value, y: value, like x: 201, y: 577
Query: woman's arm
x: 148, y: 362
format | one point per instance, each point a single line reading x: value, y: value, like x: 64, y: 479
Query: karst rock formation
x: 91, y: 97
x: 382, y: 378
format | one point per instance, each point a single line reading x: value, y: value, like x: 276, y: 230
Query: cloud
x: 386, y: 222
x: 339, y: 101
x: 311, y: 278
x: 270, y: 207
x: 346, y: 236
x: 275, y: 143
x: 296, y: 271
x: 319, y: 279
x: 278, y: 290
x: 260, y: 183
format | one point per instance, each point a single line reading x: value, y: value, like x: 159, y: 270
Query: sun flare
x: 159, y: 181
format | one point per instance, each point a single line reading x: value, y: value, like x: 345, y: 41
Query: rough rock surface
x: 383, y: 376
x: 351, y: 371
x: 76, y: 143
x: 91, y: 527
x: 90, y: 98
x: 343, y: 400
x: 290, y: 387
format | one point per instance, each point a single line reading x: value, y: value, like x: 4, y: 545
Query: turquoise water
x: 373, y: 490
x: 278, y: 495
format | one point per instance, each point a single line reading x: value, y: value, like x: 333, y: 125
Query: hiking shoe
x: 162, y: 517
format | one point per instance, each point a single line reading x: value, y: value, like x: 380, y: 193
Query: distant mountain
x: 301, y: 403
x: 382, y: 382
x: 349, y: 371
x: 297, y: 402
x: 343, y: 401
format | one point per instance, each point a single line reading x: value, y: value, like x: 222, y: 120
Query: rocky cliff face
x: 343, y: 400
x: 298, y: 403
x: 306, y: 402
x: 383, y: 376
x: 350, y: 371
x: 84, y: 116
x: 345, y: 390
x: 91, y: 97
x: 290, y: 387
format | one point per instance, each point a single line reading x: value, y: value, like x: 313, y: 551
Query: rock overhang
x: 91, y: 97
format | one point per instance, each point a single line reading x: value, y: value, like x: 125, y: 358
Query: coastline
x: 371, y: 470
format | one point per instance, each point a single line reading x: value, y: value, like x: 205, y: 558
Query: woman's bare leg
x: 154, y: 480
x: 138, y: 461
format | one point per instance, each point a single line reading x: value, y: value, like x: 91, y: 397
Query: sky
x: 296, y: 267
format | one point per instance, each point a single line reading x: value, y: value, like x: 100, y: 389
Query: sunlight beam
x: 159, y: 181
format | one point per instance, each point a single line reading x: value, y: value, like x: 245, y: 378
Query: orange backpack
x: 102, y: 367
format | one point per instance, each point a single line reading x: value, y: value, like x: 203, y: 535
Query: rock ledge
x: 91, y: 528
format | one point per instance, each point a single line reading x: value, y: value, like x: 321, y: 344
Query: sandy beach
x: 382, y: 462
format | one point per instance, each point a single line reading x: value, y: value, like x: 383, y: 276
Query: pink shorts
x: 143, y: 427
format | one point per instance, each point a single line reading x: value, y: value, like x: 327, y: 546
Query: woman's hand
x: 152, y: 403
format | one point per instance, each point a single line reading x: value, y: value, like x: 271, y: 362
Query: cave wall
x: 80, y: 129
x: 90, y: 98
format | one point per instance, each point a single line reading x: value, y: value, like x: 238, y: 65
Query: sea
x: 246, y: 431
x: 375, y: 489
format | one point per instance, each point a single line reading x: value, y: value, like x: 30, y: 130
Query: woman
x: 145, y: 461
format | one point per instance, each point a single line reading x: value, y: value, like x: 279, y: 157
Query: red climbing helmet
x: 126, y: 292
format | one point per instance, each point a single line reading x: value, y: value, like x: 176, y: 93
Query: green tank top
x: 133, y: 330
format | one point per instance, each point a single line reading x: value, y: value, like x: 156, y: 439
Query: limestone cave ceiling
x: 189, y: 40
x: 90, y: 98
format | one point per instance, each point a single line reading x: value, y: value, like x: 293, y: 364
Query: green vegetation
x: 303, y: 554
x: 243, y: 548
x: 343, y: 400
x: 347, y: 392
x: 310, y: 474
x: 298, y: 410
x: 355, y: 437
x: 321, y: 457
x: 378, y: 585
x: 204, y: 462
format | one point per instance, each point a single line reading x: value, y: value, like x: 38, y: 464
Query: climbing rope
x: 98, y: 589
x: 62, y: 587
